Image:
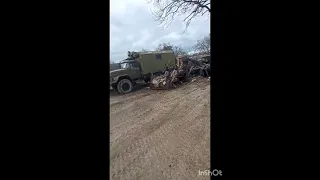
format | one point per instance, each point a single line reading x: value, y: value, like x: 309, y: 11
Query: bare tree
x: 144, y: 50
x: 166, y: 10
x: 164, y: 47
x: 177, y: 50
x: 203, y: 45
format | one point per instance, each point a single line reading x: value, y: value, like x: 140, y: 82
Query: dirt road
x: 161, y: 134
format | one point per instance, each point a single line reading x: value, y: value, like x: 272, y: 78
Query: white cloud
x: 132, y: 27
x: 145, y: 38
x: 130, y: 38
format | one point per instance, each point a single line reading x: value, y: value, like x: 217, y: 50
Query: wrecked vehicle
x: 184, y: 69
x: 140, y: 66
x: 170, y: 76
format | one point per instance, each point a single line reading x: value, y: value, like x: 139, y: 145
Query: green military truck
x: 140, y: 66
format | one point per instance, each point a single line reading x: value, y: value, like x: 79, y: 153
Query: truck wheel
x: 124, y: 86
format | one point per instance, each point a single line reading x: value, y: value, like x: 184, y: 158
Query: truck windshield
x: 125, y: 65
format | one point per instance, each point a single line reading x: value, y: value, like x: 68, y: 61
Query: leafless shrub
x: 203, y: 45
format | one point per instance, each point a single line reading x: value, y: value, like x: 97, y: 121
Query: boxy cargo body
x: 152, y: 62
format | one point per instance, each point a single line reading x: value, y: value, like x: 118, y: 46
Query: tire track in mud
x: 141, y: 112
x: 148, y: 124
x: 138, y: 151
x: 189, y: 136
x: 170, y: 131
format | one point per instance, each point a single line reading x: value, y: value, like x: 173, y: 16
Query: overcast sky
x: 132, y: 27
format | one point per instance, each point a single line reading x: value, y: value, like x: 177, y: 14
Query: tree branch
x: 199, y: 4
x: 166, y: 10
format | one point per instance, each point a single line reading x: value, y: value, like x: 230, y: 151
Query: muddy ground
x: 159, y: 134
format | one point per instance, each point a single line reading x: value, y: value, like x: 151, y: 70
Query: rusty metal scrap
x: 165, y: 80
x: 171, y: 77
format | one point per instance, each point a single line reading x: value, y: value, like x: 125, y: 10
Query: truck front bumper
x: 112, y: 81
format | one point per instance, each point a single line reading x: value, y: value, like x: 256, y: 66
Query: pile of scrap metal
x: 184, y: 69
x: 200, y: 67
x: 164, y: 81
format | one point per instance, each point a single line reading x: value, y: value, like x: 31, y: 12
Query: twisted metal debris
x: 182, y: 72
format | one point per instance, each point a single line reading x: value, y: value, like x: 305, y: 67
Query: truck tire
x: 147, y: 79
x: 124, y: 86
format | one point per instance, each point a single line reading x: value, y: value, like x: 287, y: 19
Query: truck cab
x: 133, y: 68
x: 129, y: 71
